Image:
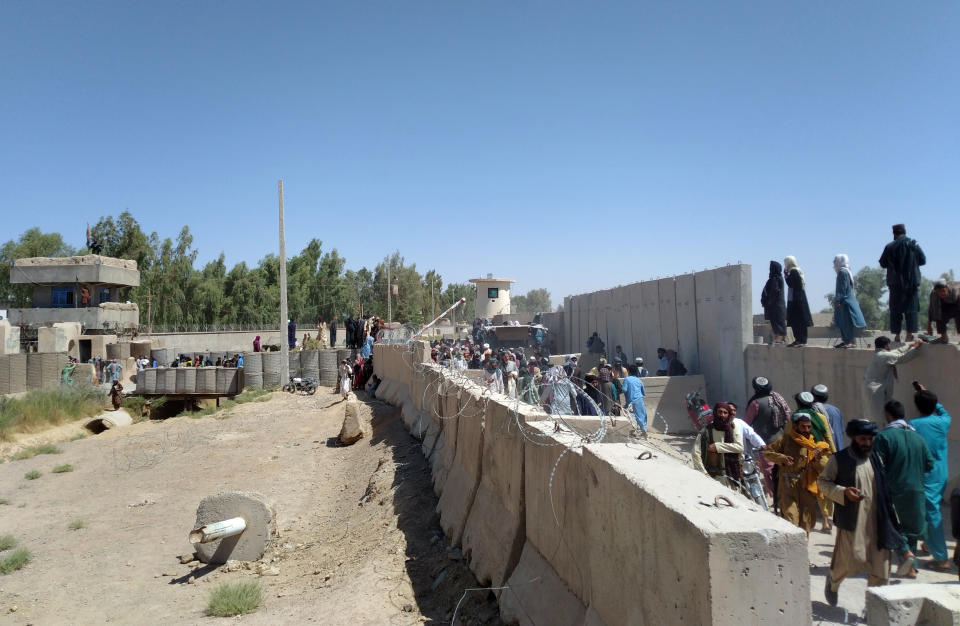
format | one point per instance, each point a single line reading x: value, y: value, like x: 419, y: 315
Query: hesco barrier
x: 252, y: 380
x: 310, y: 364
x: 18, y: 372
x: 328, y: 367
x: 561, y: 523
x: 4, y: 375
x: 253, y: 363
x: 34, y: 370
x: 294, y: 364
x: 118, y: 351
x: 207, y: 380
x: 37, y: 370
x: 190, y: 380
x: 271, y: 369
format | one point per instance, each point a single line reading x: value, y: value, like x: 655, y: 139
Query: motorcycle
x: 753, y: 481
x: 698, y: 410
x: 306, y: 385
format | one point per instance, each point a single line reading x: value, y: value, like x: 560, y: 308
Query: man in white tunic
x: 866, y: 524
x: 881, y: 375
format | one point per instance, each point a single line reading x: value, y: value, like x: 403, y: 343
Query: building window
x: 104, y: 294
x: 61, y: 297
x: 493, y: 292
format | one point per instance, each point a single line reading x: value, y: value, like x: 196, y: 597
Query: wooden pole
x: 389, y: 294
x: 284, y: 349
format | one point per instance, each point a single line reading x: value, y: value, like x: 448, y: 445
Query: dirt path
x: 359, y: 540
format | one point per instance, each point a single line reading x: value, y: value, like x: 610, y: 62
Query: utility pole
x: 284, y: 349
x: 389, y: 292
x: 149, y: 316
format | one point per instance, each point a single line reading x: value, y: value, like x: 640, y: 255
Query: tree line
x: 319, y: 285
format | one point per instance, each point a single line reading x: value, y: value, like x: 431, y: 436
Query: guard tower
x: 83, y: 289
x: 493, y: 296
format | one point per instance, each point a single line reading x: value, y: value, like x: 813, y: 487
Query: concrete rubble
x: 249, y: 545
x: 356, y: 426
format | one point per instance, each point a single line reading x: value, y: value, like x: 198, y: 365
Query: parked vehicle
x: 753, y: 481
x: 306, y: 385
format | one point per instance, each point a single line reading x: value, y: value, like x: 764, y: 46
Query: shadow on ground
x: 438, y: 573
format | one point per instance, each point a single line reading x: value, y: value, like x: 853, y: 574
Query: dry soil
x: 359, y: 541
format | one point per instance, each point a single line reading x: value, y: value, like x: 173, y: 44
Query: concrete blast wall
x: 589, y: 534
x: 704, y: 316
x: 793, y: 370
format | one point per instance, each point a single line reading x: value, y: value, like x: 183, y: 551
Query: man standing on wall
x: 867, y: 528
x: 333, y: 332
x: 902, y: 259
x: 291, y: 334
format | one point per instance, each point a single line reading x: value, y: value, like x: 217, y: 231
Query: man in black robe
x: 902, y: 259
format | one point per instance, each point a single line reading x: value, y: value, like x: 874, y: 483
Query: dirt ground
x: 359, y: 541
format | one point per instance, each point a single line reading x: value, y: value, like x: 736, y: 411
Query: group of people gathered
x: 607, y: 388
x: 880, y: 480
x: 785, y: 303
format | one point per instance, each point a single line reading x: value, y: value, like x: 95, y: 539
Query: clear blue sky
x: 572, y: 146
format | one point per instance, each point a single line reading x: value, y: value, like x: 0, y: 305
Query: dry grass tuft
x: 236, y: 598
x: 32, y: 475
x: 60, y: 469
x: 14, y: 561
x: 33, y: 451
x: 42, y: 408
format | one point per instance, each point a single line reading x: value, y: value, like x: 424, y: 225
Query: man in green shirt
x: 906, y: 459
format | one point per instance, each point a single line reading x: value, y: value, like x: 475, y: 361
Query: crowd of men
x: 879, y: 481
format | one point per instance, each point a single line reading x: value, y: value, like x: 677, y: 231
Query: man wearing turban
x: 801, y: 459
x: 867, y: 525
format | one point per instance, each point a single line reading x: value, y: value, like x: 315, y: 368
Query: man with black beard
x: 867, y: 525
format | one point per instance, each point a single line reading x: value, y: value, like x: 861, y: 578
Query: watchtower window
x: 493, y: 292
x: 61, y: 297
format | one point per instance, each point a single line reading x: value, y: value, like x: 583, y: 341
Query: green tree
x: 32, y: 243
x: 534, y: 301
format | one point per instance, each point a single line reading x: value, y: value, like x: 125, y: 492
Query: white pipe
x: 218, y: 530
x: 439, y: 317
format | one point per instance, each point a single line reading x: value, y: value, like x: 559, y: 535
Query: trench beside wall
x: 589, y: 534
x: 706, y: 317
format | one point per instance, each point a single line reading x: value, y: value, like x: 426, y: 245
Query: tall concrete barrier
x: 706, y: 317
x: 495, y: 530
x: 590, y: 534
x: 793, y: 370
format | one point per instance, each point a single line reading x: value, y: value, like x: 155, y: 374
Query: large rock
x: 355, y: 426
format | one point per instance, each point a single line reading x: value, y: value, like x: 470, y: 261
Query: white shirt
x: 749, y: 434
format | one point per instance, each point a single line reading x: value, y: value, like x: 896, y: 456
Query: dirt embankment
x: 359, y: 542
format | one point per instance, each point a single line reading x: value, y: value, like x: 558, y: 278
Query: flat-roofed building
x: 84, y: 289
